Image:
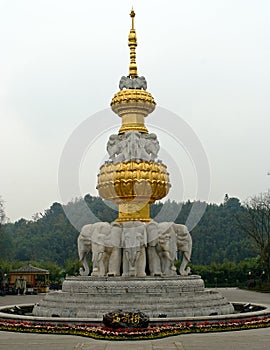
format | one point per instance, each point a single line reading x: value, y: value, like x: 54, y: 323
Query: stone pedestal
x: 90, y: 297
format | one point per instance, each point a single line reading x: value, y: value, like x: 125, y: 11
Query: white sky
x: 60, y: 62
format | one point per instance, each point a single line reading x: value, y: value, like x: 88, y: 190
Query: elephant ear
x: 85, y: 237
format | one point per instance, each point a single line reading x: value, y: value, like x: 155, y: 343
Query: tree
x: 50, y: 237
x: 5, y: 240
x: 255, y: 220
x: 2, y: 213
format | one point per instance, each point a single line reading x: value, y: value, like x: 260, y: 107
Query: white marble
x: 134, y: 241
x: 104, y: 241
x: 129, y: 243
x: 133, y: 145
x: 92, y: 297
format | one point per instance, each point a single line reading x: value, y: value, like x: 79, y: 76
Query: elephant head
x: 84, y: 247
x: 164, y: 241
x: 91, y: 239
x: 167, y: 239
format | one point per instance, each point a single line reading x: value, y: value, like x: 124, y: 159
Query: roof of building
x: 30, y: 268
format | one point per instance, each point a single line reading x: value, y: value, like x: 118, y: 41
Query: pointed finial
x: 132, y: 15
x: 132, y: 43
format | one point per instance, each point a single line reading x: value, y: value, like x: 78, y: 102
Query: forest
x: 49, y: 238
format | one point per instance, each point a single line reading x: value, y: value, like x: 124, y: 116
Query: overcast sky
x: 61, y: 61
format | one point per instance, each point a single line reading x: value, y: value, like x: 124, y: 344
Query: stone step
x: 161, y: 297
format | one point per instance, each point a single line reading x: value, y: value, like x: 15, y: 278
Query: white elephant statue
x: 104, y: 241
x: 161, y: 248
x: 134, y: 241
x: 165, y: 239
x: 184, y: 245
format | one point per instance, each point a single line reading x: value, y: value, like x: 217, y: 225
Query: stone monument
x: 133, y: 258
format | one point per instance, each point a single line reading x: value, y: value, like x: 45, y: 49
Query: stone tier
x: 90, y: 297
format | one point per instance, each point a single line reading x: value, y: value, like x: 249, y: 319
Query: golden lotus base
x: 133, y: 186
x: 133, y: 182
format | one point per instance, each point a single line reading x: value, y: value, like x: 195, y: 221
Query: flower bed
x: 154, y: 332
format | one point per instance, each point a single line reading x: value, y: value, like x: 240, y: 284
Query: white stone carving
x: 128, y: 242
x: 161, y: 249
x: 133, y: 145
x: 129, y: 83
x: 164, y: 240
x: 114, y: 148
x: 151, y: 145
x: 184, y: 245
x: 134, y: 242
x: 104, y: 241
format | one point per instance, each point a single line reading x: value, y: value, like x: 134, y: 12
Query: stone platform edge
x: 153, y: 321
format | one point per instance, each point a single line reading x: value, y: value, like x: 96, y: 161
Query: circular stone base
x: 92, y: 297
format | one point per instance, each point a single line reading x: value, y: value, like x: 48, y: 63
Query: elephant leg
x: 105, y: 261
x: 114, y: 262
x: 98, y: 264
x: 95, y: 269
x: 153, y: 261
x: 125, y: 263
x: 167, y: 264
x: 102, y: 269
x: 164, y: 258
x: 141, y: 263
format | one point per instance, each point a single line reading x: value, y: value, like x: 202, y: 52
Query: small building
x: 36, y: 279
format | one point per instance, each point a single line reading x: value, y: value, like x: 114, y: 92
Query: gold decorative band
x: 133, y: 212
x: 133, y: 95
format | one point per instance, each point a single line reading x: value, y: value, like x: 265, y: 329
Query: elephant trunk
x: 132, y: 255
x: 85, y: 270
x: 166, y: 254
x: 83, y: 249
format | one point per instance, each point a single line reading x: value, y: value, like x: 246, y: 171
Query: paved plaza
x: 242, y: 340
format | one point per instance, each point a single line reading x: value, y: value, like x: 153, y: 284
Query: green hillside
x: 50, y: 237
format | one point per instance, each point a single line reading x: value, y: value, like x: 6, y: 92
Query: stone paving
x: 243, y: 340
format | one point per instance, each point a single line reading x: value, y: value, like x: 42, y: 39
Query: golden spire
x: 132, y: 43
x: 133, y: 103
x: 133, y: 184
